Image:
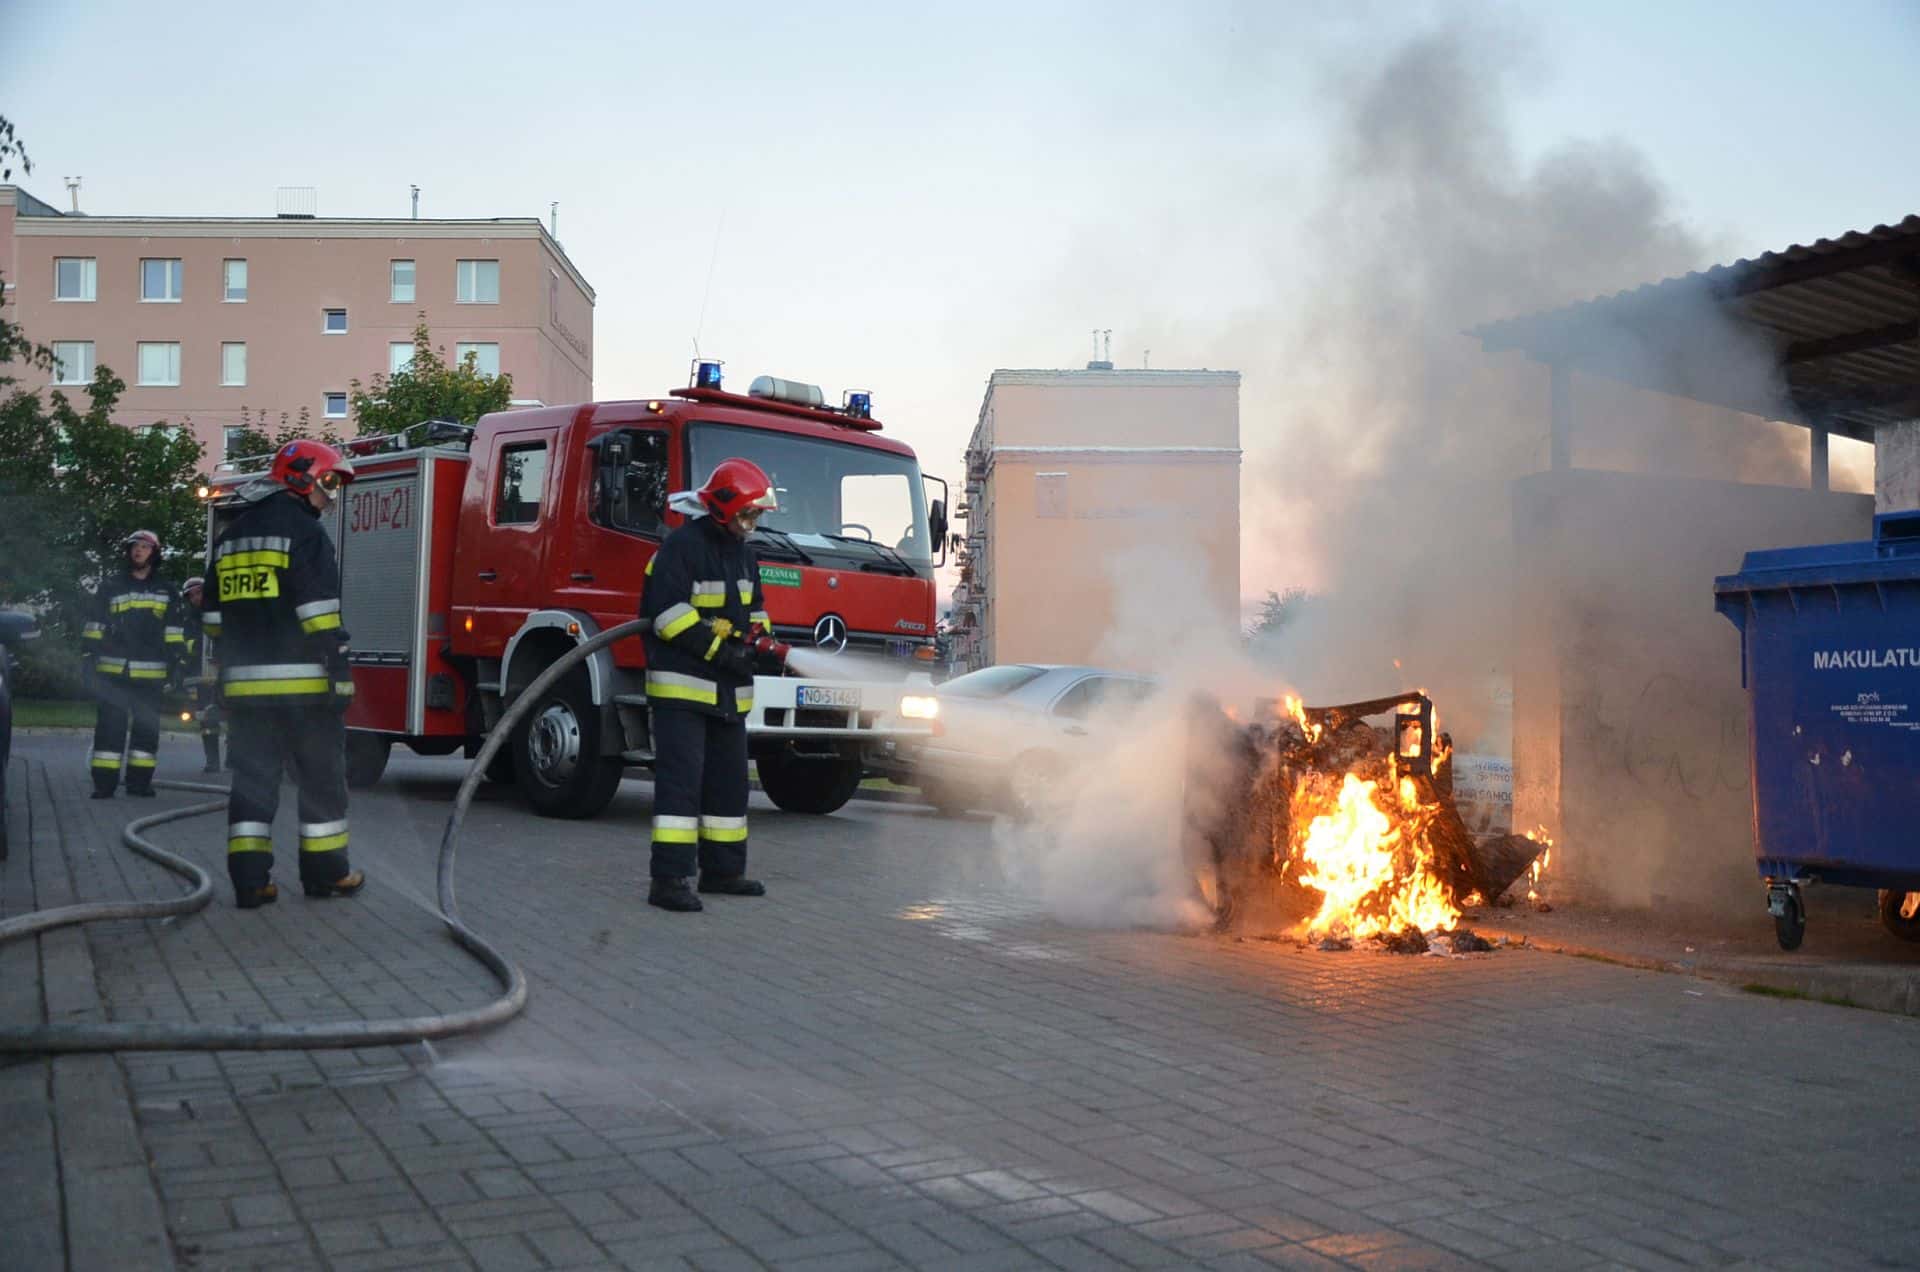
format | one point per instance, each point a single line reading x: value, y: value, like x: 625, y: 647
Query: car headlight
x: 915, y: 708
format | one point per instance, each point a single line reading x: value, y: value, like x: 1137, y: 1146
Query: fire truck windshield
x: 835, y: 497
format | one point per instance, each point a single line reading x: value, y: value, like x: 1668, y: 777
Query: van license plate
x: 826, y: 696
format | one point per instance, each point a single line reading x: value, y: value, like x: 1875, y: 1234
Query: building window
x: 399, y: 356
x: 523, y: 475
x: 74, y: 277
x: 400, y: 282
x: 231, y: 437
x: 336, y: 406
x: 73, y: 362
x: 233, y: 363
x: 160, y: 364
x: 333, y: 321
x: 234, y: 276
x: 160, y: 279
x: 486, y: 357
x: 478, y: 282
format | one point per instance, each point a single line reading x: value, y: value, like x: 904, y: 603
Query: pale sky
x: 903, y: 198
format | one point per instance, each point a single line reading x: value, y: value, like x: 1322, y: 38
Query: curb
x: 1842, y: 986
x: 101, y: 1159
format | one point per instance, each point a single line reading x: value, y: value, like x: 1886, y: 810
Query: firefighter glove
x: 339, y: 680
x: 736, y: 658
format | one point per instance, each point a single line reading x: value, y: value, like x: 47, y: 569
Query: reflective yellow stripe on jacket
x: 672, y: 687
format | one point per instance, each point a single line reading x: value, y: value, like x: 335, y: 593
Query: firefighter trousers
x: 121, y: 702
x: 310, y: 744
x: 699, y: 795
x: 207, y: 698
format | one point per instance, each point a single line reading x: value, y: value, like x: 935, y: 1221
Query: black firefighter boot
x: 675, y: 895
x: 210, y: 743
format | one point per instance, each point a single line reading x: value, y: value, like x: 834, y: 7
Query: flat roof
x: 1169, y: 378
x: 36, y: 219
x: 1837, y: 321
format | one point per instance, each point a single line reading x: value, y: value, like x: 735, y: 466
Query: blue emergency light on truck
x: 1830, y: 658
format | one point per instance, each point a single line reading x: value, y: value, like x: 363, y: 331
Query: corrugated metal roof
x: 1839, y: 321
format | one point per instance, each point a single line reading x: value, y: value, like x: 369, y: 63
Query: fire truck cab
x: 472, y: 559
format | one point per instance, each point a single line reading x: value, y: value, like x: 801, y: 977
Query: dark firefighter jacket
x: 701, y: 574
x: 272, y: 601
x: 134, y: 629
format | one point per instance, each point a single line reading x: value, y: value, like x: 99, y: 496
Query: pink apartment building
x: 202, y: 316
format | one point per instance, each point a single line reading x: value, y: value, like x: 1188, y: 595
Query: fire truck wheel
x: 366, y: 758
x: 817, y: 784
x: 557, y: 757
x: 1900, y: 913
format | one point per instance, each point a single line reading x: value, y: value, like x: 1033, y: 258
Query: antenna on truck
x: 713, y: 258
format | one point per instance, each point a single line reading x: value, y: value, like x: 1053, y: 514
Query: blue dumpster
x: 1830, y: 658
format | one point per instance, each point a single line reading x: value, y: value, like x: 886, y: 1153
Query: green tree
x: 11, y: 149
x: 255, y: 439
x: 73, y: 484
x: 427, y: 388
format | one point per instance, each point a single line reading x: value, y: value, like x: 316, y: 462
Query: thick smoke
x: 1392, y: 476
x: 1115, y: 842
x: 1382, y: 442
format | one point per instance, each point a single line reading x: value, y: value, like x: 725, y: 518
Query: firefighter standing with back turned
x: 710, y: 634
x: 133, y: 636
x: 274, y: 608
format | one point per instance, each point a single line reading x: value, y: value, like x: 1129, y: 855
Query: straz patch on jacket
x: 247, y: 582
x: 779, y: 576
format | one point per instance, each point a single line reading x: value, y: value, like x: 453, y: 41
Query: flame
x: 1371, y: 864
x: 1539, y: 835
x: 1297, y: 712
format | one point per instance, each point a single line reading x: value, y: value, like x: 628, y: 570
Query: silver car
x: 1009, y: 733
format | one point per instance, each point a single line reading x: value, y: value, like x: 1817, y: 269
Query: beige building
x: 204, y: 316
x: 1073, y: 477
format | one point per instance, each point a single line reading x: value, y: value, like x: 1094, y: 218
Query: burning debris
x: 1346, y: 831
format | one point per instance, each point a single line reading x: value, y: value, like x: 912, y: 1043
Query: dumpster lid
x: 1893, y: 553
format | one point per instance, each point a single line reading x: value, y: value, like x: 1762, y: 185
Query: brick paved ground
x: 894, y: 1062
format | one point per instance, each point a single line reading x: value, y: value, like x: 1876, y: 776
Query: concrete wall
x: 1630, y: 723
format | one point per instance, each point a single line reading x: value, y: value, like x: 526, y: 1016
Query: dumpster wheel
x: 1789, y: 914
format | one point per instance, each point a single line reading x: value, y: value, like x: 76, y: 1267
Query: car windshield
x: 991, y: 682
x: 829, y: 492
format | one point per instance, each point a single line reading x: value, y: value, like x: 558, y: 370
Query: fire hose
x: 285, y: 1035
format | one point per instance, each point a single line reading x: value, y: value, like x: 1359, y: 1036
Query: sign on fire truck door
x: 378, y: 526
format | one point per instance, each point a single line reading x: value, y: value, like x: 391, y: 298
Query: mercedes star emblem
x: 830, y: 634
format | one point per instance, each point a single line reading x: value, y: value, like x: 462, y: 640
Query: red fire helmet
x: 298, y: 465
x: 735, y: 486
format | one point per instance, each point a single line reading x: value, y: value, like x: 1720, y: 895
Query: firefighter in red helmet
x: 273, y: 605
x: 710, y: 635
x: 134, y: 640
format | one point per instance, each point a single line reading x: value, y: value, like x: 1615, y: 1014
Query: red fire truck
x: 472, y: 558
